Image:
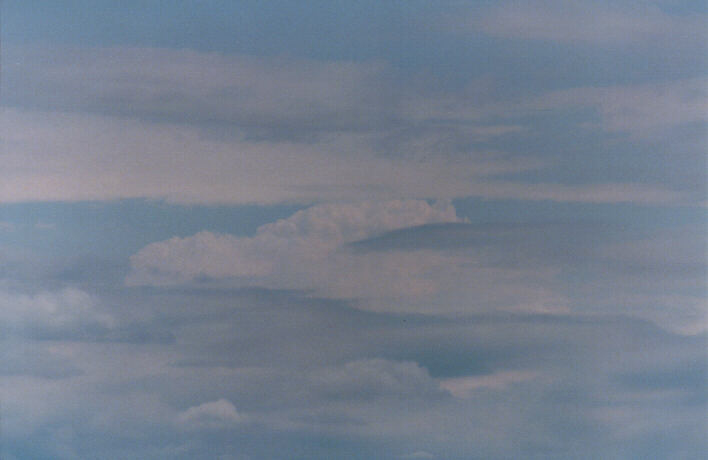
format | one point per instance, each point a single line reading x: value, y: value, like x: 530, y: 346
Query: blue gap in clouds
x: 120, y: 228
x: 639, y: 218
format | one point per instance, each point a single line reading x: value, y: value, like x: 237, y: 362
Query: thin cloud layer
x: 623, y: 23
x: 213, y: 128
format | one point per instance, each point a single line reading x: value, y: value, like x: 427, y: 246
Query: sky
x: 357, y: 230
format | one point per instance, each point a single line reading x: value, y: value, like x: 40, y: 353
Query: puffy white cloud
x: 67, y: 311
x: 214, y: 414
x: 311, y: 250
x: 375, y: 378
x: 462, y: 387
x: 305, y: 251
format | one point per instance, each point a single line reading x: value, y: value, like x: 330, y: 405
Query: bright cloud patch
x: 212, y: 414
x: 462, y: 387
x: 587, y: 22
x: 68, y: 311
x: 375, y: 378
x: 311, y: 250
x: 303, y: 251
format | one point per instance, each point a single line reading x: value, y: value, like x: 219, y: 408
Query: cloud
x: 303, y: 370
x: 190, y: 127
x: 593, y: 23
x: 68, y: 156
x: 461, y: 387
x: 661, y: 277
x: 385, y: 257
x: 373, y: 379
x: 215, y: 414
x: 267, y: 96
x: 304, y: 251
x: 311, y: 251
x: 536, y: 339
x: 646, y: 111
x: 34, y: 359
x: 418, y: 454
x: 204, y: 127
x: 69, y: 312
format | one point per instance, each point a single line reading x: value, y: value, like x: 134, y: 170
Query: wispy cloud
x: 461, y: 387
x: 635, y: 23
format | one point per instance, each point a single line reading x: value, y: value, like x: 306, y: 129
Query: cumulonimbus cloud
x: 304, y: 251
x: 312, y: 251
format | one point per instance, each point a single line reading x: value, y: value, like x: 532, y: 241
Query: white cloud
x: 463, y: 387
x: 186, y: 85
x: 92, y: 124
x: 310, y: 251
x: 661, y: 278
x: 304, y: 251
x: 644, y: 111
x: 191, y: 127
x: 215, y: 414
x: 373, y: 378
x: 63, y: 156
x: 418, y: 454
x: 590, y: 22
x: 66, y: 311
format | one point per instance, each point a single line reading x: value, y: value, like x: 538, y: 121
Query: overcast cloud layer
x: 375, y: 230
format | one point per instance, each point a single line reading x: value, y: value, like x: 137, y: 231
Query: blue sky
x: 395, y: 229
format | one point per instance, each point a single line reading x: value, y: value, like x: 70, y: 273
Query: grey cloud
x: 644, y: 111
x: 536, y: 244
x: 300, y: 366
x: 64, y: 313
x: 276, y: 95
x: 123, y: 158
x: 72, y: 314
x: 448, y: 267
x: 34, y: 360
x: 690, y: 376
x: 230, y: 119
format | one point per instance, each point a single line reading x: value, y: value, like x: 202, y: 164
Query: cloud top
x: 211, y: 414
x: 303, y: 251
